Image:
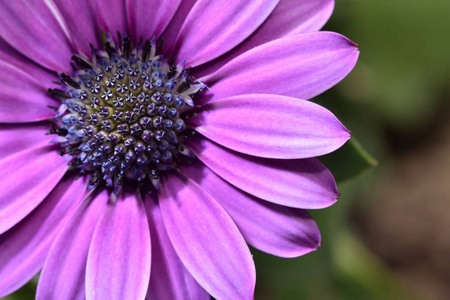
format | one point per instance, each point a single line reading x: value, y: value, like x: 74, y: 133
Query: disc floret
x: 122, y: 113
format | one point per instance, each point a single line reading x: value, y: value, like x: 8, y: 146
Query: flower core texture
x: 121, y: 116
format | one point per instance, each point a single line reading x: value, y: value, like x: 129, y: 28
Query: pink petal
x: 26, y: 179
x: 171, y: 32
x: 169, y: 278
x: 81, y: 20
x: 290, y: 17
x: 206, y: 240
x: 11, y: 56
x: 301, y: 66
x: 271, y: 126
x: 20, y: 86
x: 64, y: 270
x: 112, y: 16
x: 118, y: 264
x: 275, y: 229
x: 23, y: 97
x: 212, y: 28
x: 16, y: 138
x: 33, y: 28
x: 24, y: 247
x: 158, y: 14
x: 303, y: 183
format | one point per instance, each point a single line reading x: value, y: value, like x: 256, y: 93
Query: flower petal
x: 301, y: 66
x: 63, y: 274
x: 112, y: 16
x: 158, y: 14
x: 303, y: 183
x: 271, y: 126
x: 171, y: 32
x: 81, y: 20
x: 169, y: 278
x: 33, y: 28
x: 24, y: 247
x: 214, y: 27
x: 15, y: 138
x: 118, y: 264
x: 207, y: 241
x: 23, y: 98
x: 11, y: 56
x: 292, y: 233
x: 26, y: 179
x: 290, y: 17
x: 19, y: 85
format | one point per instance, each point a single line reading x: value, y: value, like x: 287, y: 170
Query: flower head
x: 142, y: 163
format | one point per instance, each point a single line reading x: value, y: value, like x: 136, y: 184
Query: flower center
x: 122, y: 113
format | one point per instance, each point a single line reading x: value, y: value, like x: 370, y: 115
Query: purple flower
x: 163, y: 160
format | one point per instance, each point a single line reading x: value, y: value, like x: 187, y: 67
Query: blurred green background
x: 388, y: 237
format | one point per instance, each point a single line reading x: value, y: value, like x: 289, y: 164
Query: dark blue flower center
x: 122, y: 113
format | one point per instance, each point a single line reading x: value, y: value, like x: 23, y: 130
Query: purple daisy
x: 164, y: 145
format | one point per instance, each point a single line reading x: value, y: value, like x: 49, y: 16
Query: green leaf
x: 28, y: 291
x: 348, y: 161
x: 103, y: 34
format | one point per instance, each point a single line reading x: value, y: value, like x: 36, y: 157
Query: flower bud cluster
x: 122, y: 113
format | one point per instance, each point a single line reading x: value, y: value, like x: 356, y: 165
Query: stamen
x: 127, y: 47
x: 146, y: 50
x: 58, y: 94
x: 160, y: 44
x: 81, y: 63
x: 110, y: 50
x: 120, y: 40
x: 122, y: 113
x: 183, y: 87
x: 69, y: 81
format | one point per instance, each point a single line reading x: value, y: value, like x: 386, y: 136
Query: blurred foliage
x: 348, y: 161
x: 404, y: 56
x: 397, y: 85
x: 25, y: 293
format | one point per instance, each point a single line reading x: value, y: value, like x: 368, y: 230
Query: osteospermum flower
x: 141, y: 162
